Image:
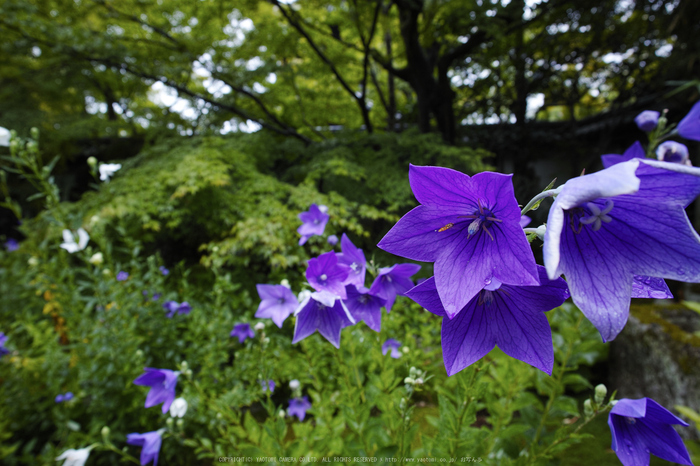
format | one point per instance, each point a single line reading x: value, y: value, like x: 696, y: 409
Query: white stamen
x: 474, y: 226
x: 323, y: 277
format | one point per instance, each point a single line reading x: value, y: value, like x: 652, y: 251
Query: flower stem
x: 535, y: 200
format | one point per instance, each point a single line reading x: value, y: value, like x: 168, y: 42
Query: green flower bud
x: 92, y: 161
x: 105, y: 433
x: 34, y: 132
x: 180, y: 422
x: 183, y: 366
x: 588, y: 408
x: 409, y: 381
x: 139, y: 353
x: 169, y: 422
x: 281, y: 414
x: 600, y: 392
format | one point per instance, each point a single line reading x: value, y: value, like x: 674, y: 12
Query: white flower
x: 75, y: 457
x: 97, y: 259
x: 178, y: 408
x: 259, y: 326
x: 294, y: 384
x: 69, y: 243
x: 108, y: 169
x: 4, y: 137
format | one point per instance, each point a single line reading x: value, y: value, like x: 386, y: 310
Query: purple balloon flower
x: 674, y: 152
x: 511, y: 317
x: 393, y: 281
x: 162, y: 383
x: 156, y: 297
x: 647, y: 120
x: 68, y: 396
x: 267, y: 385
x: 150, y: 441
x: 313, y: 222
x: 316, y: 314
x: 332, y: 240
x: 242, y: 332
x: 643, y: 427
x: 184, y: 308
x: 392, y: 345
x: 365, y: 306
x: 298, y: 407
x: 59, y: 398
x: 354, y: 259
x: 122, y: 276
x: 689, y: 127
x: 324, y: 274
x: 625, y: 221
x: 277, y: 303
x: 11, y: 245
x: 635, y: 151
x: 3, y: 350
x: 163, y: 270
x: 171, y: 307
x: 470, y: 227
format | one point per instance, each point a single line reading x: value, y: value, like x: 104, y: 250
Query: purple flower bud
x: 59, y: 398
x: 674, y: 152
x: 11, y: 245
x: 68, y: 396
x: 163, y: 270
x: 332, y: 240
x: 647, y: 120
x: 122, y: 276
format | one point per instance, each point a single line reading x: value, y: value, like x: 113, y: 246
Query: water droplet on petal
x: 680, y: 271
x: 658, y: 294
x: 487, y: 281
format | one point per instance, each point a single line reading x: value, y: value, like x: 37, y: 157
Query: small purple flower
x: 327, y: 319
x: 171, y: 307
x: 674, y: 152
x: 11, y: 245
x: 243, y: 332
x: 59, y: 398
x: 313, y: 222
x: 156, y: 297
x: 392, y: 345
x: 365, y: 306
x: 469, y: 227
x: 298, y: 407
x: 163, y: 270
x: 68, y: 396
x: 625, y: 221
x: 277, y: 303
x: 393, y: 281
x: 162, y: 383
x: 643, y: 427
x: 332, y: 240
x: 122, y: 276
x: 324, y: 274
x: 267, y: 384
x: 150, y: 441
x: 635, y: 151
x: 647, y: 120
x: 511, y: 317
x: 3, y: 350
x: 689, y: 127
x: 354, y: 259
x: 184, y: 308
x: 144, y: 292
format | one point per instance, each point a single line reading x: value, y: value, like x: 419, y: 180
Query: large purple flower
x: 354, y: 259
x: 689, y: 127
x: 511, y: 317
x: 643, y: 427
x: 162, y: 383
x: 470, y: 228
x: 298, y: 407
x: 313, y: 222
x: 150, y: 441
x: 393, y: 281
x: 635, y: 151
x: 277, y: 303
x: 324, y: 274
x: 328, y: 319
x: 365, y: 306
x: 627, y: 220
x: 3, y: 350
x: 242, y: 332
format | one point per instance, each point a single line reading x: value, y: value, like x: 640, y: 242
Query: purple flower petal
x: 242, y: 331
x: 689, y: 127
x: 313, y: 223
x: 393, y: 281
x: 647, y: 120
x: 298, y: 407
x: 650, y: 287
x: 634, y: 151
x: 673, y: 152
x: 162, y: 383
x: 354, y: 259
x: 392, y: 345
x: 150, y: 441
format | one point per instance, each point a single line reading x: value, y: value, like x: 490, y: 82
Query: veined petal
x: 466, y: 338
x: 635, y: 151
x: 689, y: 126
x: 650, y: 287
x: 667, y: 182
x: 426, y: 295
x: 441, y: 186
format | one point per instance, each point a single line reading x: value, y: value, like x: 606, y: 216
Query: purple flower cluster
x: 173, y: 307
x: 61, y: 397
x: 340, y: 298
